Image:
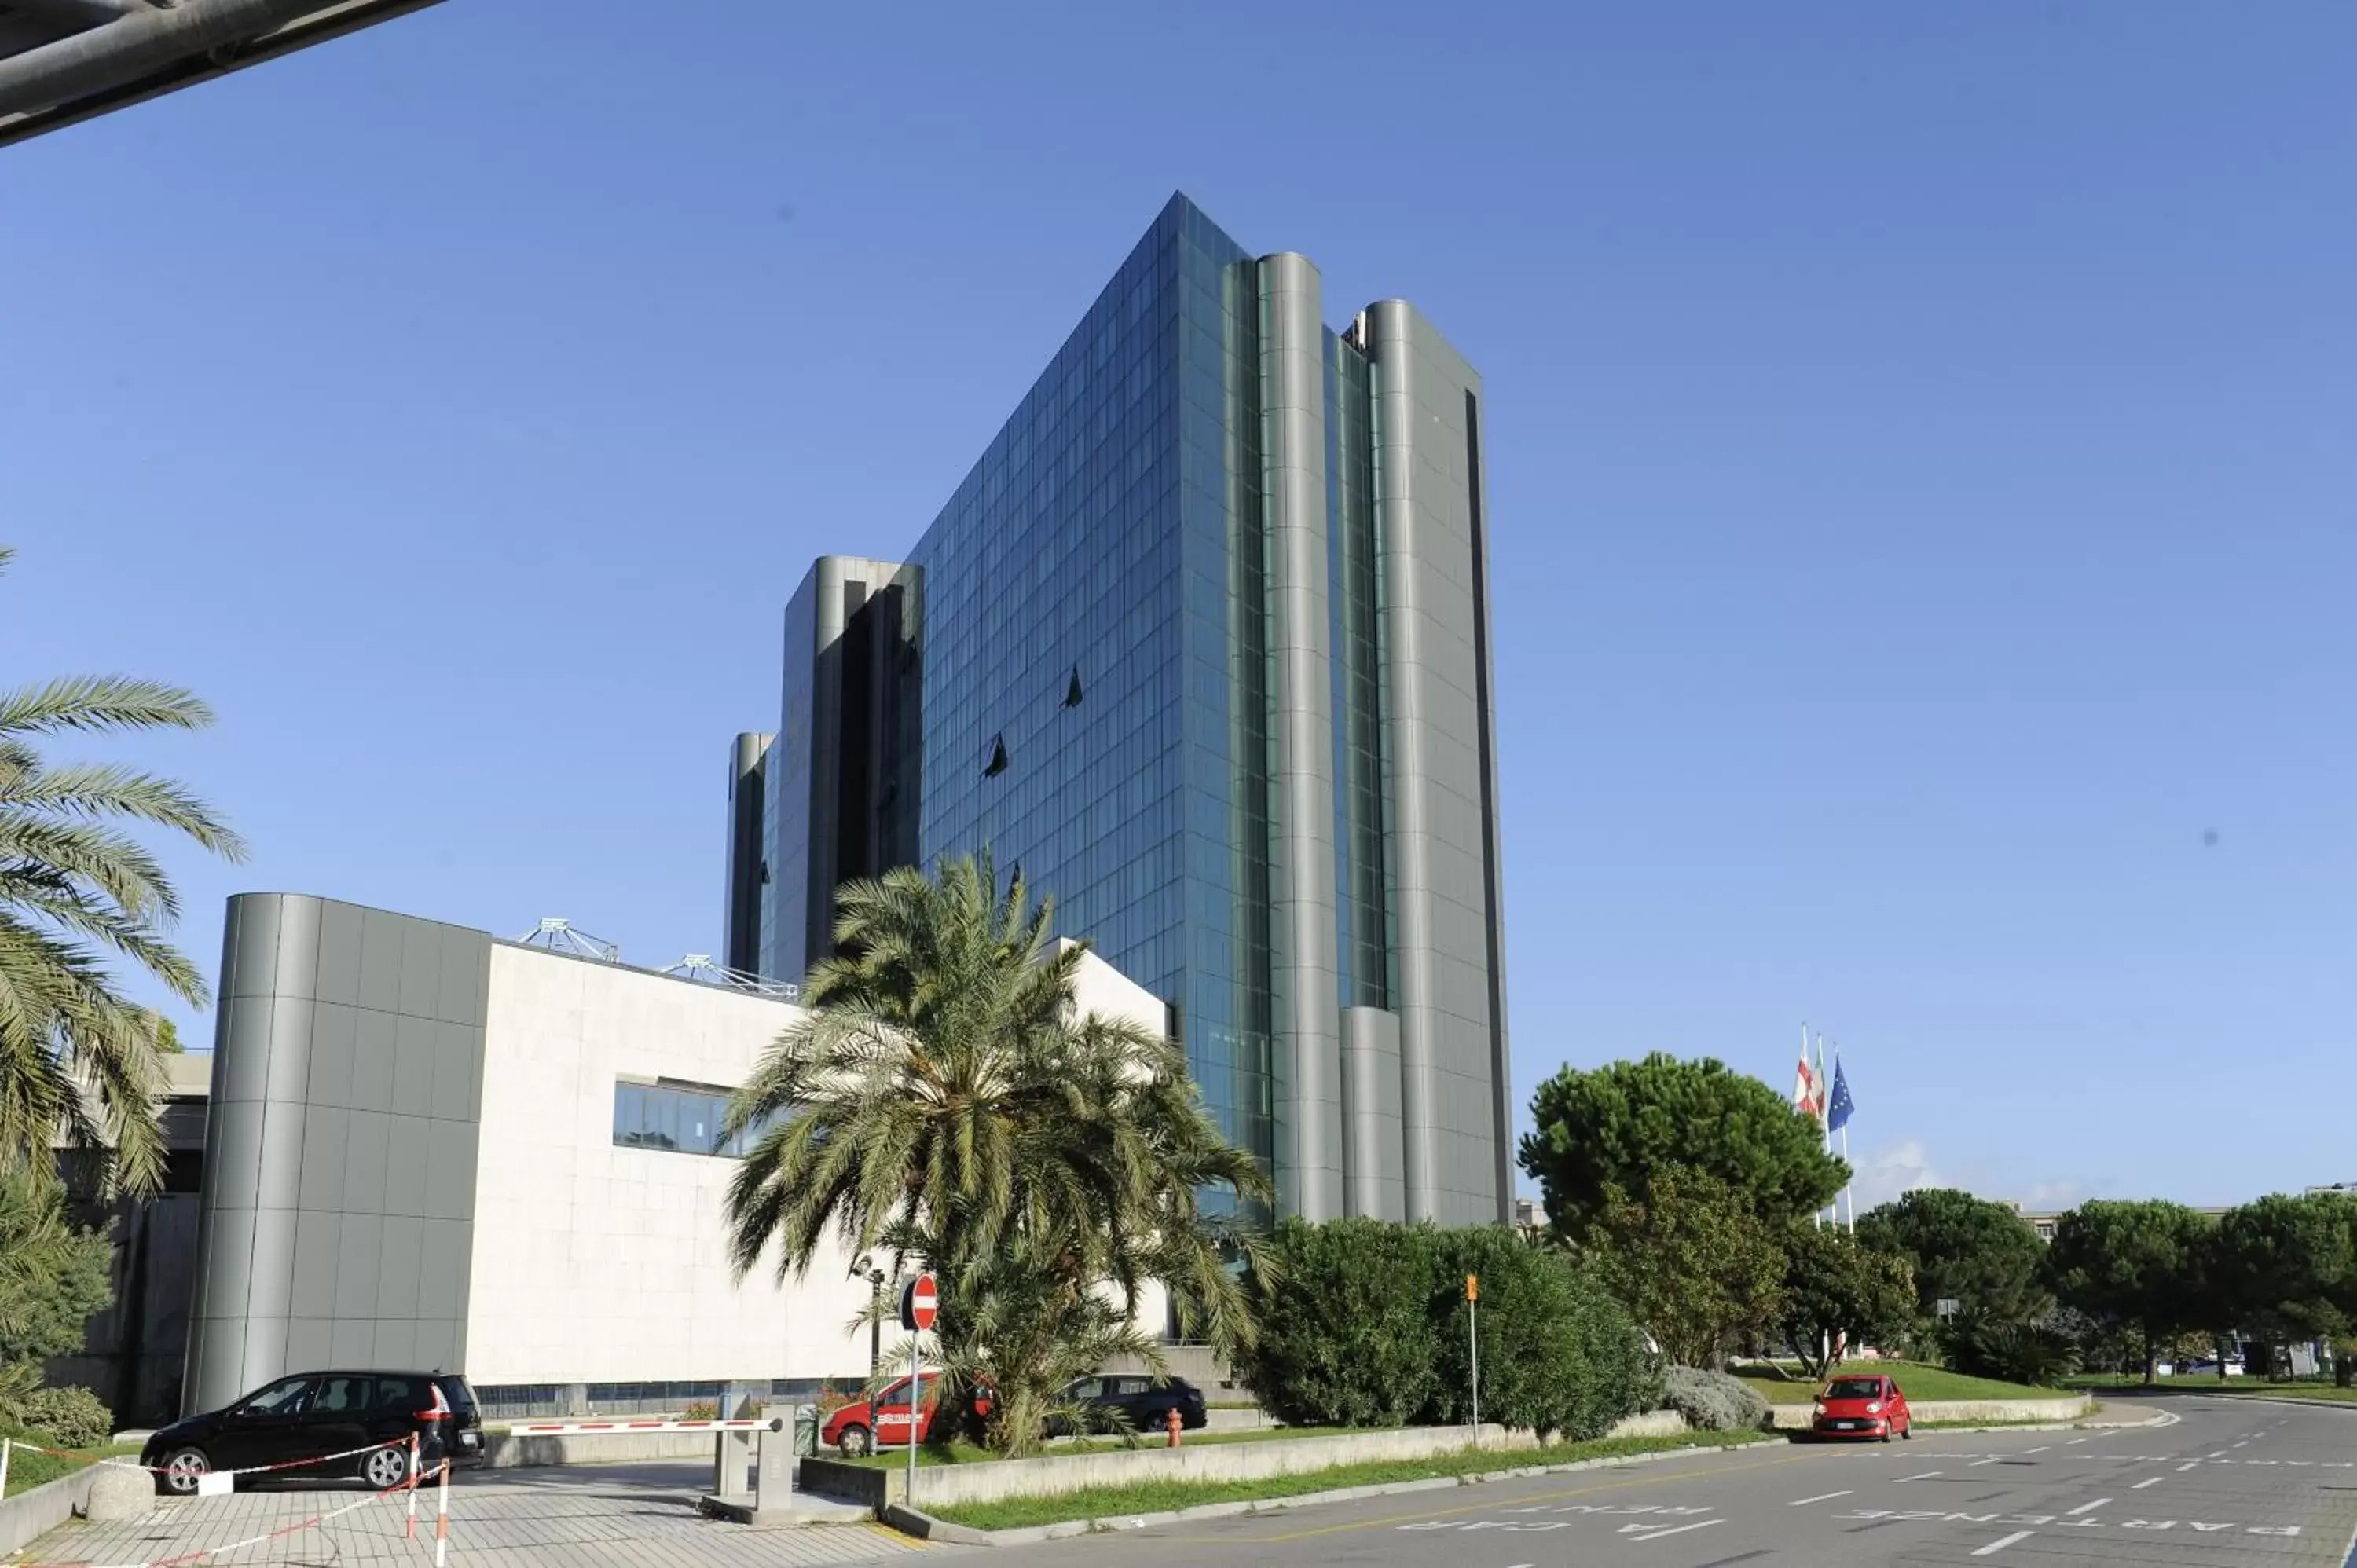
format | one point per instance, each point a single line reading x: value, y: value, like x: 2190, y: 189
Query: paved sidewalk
x: 584, y: 1522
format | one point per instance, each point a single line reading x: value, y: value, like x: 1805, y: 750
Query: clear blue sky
x: 1923, y: 446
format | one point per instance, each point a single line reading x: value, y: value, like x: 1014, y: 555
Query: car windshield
x: 1854, y: 1388
x: 282, y: 1398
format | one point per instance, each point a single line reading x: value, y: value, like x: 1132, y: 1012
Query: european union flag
x: 1837, y: 1109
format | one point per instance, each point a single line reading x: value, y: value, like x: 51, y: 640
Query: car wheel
x: 181, y: 1470
x: 856, y: 1443
x: 385, y: 1468
x: 1908, y: 1432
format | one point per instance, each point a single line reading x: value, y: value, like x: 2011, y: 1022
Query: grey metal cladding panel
x: 436, y: 1343
x: 397, y: 1342
x: 278, y: 1173
x: 310, y: 1344
x: 298, y: 945
x: 233, y: 1158
x: 250, y: 963
x: 441, y: 1271
x: 289, y: 1068
x: 353, y: 1342
x: 398, y: 1258
x: 229, y: 1261
x: 412, y: 1065
x: 265, y: 1350
x: 453, y: 1090
x: 373, y: 1062
x: 404, y: 1166
x: 381, y: 940
x: 273, y: 1283
x: 364, y: 1161
x: 358, y: 1247
x: 318, y: 1241
x: 241, y: 1069
x: 465, y: 976
x: 339, y: 977
x: 450, y: 1169
x: 421, y: 966
x: 326, y: 1129
x: 335, y: 1036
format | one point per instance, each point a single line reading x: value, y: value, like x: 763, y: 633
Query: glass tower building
x: 1201, y: 644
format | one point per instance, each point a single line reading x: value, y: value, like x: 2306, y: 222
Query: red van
x: 858, y: 1428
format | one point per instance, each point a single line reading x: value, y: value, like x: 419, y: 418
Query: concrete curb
x: 925, y: 1527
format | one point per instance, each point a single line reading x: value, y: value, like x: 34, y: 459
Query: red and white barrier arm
x: 590, y: 1428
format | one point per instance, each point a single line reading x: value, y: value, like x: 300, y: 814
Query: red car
x: 858, y: 1427
x: 1863, y: 1405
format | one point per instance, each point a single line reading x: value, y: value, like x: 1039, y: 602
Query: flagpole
x: 1824, y: 1110
x: 1818, y: 1218
x: 1850, y: 1189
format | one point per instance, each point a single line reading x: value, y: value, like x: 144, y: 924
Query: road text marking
x: 1999, y: 1544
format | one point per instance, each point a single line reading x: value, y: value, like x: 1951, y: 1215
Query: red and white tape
x: 246, y: 1470
x: 316, y: 1520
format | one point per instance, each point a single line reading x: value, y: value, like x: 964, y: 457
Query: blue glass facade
x: 1088, y: 677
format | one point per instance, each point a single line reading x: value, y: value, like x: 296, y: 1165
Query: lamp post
x: 866, y: 1269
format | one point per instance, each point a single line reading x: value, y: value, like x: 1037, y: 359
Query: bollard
x: 409, y: 1531
x: 442, y: 1519
x: 1173, y: 1423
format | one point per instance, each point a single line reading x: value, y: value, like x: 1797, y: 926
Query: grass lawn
x: 29, y: 1468
x: 1921, y: 1384
x: 1157, y: 1497
x: 897, y: 1458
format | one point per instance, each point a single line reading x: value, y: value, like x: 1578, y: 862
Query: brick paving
x: 584, y: 1522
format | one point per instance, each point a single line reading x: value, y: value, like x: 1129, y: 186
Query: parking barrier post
x: 442, y: 1519
x: 409, y: 1531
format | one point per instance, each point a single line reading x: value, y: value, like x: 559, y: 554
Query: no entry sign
x: 920, y: 1303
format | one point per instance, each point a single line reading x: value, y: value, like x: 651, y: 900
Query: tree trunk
x: 2152, y: 1361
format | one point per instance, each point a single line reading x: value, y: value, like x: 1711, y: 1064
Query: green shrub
x: 1713, y: 1401
x: 74, y: 1416
x: 700, y: 1409
x: 1346, y: 1335
x: 1368, y: 1327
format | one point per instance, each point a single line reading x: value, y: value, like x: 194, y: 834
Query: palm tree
x: 943, y: 1099
x: 75, y: 888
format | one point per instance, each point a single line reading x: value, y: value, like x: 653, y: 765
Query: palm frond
x: 99, y: 703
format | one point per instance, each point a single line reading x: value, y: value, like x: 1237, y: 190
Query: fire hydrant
x: 1172, y: 1424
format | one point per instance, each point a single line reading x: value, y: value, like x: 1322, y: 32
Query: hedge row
x: 1366, y: 1326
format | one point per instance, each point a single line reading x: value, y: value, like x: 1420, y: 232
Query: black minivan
x: 312, y: 1414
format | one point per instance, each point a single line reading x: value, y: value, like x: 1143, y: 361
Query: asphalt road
x: 2229, y: 1485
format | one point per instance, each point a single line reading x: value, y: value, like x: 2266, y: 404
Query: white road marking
x: 2140, y: 1485
x: 1924, y: 1476
x: 2085, y: 1508
x: 2187, y: 1466
x: 1679, y: 1529
x: 1994, y: 1547
x: 2040, y: 1449
x: 1990, y: 1460
x: 1819, y: 1497
x: 2074, y: 1441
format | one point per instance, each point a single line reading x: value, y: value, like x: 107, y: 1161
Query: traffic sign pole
x: 920, y: 1307
x: 1473, y: 1339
